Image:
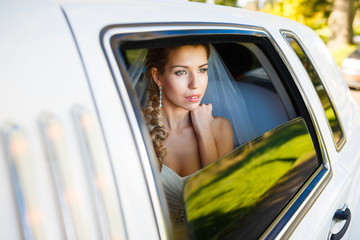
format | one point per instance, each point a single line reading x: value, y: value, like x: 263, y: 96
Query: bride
x: 185, y: 133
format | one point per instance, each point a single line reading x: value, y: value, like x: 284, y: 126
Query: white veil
x: 222, y: 92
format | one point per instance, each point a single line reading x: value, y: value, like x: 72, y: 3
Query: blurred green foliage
x: 357, y: 30
x: 313, y: 13
x: 230, y: 3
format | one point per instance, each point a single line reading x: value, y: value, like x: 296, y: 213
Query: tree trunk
x: 340, y: 23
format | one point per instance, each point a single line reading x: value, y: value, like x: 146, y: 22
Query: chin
x: 192, y: 107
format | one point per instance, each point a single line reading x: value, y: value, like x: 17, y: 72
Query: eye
x: 203, y: 70
x: 181, y: 72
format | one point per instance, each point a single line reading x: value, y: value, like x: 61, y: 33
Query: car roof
x: 150, y: 11
x: 184, y: 11
x: 110, y: 12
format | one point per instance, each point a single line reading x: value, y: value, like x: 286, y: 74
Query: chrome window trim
x: 45, y: 120
x: 77, y: 114
x: 338, y: 145
x: 97, y: 165
x: 10, y: 131
x: 294, y: 212
x: 289, y: 218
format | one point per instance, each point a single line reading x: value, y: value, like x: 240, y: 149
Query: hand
x: 202, y: 118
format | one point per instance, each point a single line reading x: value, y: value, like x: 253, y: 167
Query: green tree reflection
x: 236, y: 191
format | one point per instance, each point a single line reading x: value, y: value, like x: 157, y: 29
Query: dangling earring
x: 160, y: 97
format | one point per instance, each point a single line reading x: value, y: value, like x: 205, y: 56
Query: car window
x: 260, y: 184
x: 326, y: 103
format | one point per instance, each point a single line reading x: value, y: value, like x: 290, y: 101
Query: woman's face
x: 185, y: 77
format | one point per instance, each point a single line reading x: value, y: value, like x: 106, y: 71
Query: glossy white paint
x: 41, y: 72
x: 51, y: 59
x: 39, y: 66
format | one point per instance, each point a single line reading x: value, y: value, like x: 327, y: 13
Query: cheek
x: 173, y: 87
x: 204, y: 81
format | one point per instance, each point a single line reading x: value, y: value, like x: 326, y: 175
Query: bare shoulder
x: 221, y: 125
x: 221, y: 122
x: 223, y: 134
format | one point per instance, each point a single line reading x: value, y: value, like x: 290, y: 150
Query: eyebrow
x: 182, y: 66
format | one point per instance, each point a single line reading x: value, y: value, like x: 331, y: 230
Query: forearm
x: 207, y: 148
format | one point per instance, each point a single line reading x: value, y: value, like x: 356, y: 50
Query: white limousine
x: 77, y: 160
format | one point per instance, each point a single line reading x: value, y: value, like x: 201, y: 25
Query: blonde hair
x: 158, y: 58
x: 155, y: 123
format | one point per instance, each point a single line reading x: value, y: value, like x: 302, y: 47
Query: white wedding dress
x: 174, y: 188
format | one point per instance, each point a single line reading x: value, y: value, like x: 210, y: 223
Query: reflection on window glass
x: 240, y: 195
x: 132, y: 54
x: 319, y: 87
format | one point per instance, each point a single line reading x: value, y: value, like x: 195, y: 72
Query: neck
x: 175, y: 119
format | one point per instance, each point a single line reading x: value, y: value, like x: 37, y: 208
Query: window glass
x: 320, y: 90
x: 242, y: 193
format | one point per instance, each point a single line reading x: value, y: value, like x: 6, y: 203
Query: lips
x: 193, y: 98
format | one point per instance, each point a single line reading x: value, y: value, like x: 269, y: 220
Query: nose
x: 194, y: 81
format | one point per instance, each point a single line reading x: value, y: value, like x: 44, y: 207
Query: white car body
x: 52, y: 64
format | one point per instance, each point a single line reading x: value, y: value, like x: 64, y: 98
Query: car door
x: 339, y: 143
x: 314, y: 171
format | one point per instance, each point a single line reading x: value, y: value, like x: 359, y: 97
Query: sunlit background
x: 337, y: 22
